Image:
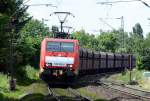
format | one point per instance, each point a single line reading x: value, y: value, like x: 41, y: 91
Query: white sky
x: 87, y: 14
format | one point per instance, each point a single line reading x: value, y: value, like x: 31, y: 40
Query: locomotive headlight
x: 69, y: 65
x: 48, y: 64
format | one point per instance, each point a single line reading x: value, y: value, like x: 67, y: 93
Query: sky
x: 88, y: 12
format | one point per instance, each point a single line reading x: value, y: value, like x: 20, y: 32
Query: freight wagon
x: 101, y: 62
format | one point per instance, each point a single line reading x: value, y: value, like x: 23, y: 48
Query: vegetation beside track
x: 85, y: 92
x: 22, y: 87
x: 136, y: 75
x: 28, y: 82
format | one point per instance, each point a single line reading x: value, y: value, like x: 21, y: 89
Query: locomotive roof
x: 60, y: 40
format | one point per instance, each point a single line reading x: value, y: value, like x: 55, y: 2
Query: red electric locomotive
x: 59, y: 58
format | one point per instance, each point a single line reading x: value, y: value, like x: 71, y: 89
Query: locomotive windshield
x: 60, y: 46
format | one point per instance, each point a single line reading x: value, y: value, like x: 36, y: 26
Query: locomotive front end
x: 61, y: 58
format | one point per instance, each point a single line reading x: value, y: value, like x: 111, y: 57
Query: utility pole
x: 122, y: 32
x: 122, y: 28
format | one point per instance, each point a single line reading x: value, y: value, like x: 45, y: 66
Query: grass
x: 137, y: 75
x: 36, y: 86
x: 62, y: 92
x: 125, y: 77
x: 91, y: 95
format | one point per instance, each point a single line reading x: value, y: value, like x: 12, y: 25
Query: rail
x: 51, y: 93
x: 136, y: 93
x: 78, y: 96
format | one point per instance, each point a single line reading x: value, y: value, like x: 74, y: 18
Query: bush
x: 31, y: 72
x: 139, y: 64
x: 4, y: 81
x: 146, y: 62
x: 26, y: 75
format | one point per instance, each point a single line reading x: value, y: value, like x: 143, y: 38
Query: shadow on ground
x: 81, y: 81
x: 2, y: 98
x: 89, y: 80
x: 22, y: 78
x: 40, y: 97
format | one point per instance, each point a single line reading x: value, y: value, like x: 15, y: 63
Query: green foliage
x: 32, y: 73
x: 107, y: 42
x: 35, y: 28
x: 4, y: 81
x: 138, y: 31
x: 34, y: 87
x: 139, y: 64
x: 9, y: 30
x: 146, y: 62
x: 30, y: 41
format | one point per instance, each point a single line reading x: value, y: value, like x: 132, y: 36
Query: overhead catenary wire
x: 107, y: 24
x: 42, y: 5
x: 26, y: 1
x: 122, y: 1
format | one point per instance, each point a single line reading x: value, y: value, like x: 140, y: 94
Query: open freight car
x: 101, y: 62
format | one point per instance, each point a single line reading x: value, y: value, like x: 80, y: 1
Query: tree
x: 12, y: 18
x: 29, y: 43
x: 138, y: 31
x: 145, y: 54
x: 107, y: 42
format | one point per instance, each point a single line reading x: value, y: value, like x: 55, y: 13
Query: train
x: 59, y: 58
x: 64, y: 59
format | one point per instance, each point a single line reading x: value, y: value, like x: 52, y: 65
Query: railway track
x: 54, y: 95
x: 76, y: 96
x: 135, y: 93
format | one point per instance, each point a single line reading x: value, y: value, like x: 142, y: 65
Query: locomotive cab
x: 59, y: 58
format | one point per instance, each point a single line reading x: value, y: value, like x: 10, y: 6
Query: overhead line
x: 107, y: 23
x: 117, y: 1
x: 26, y: 2
x: 110, y: 3
x: 42, y: 5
